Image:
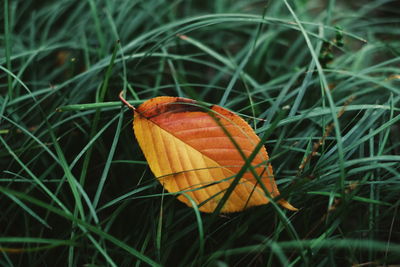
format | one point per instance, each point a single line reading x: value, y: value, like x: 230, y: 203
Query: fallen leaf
x: 188, y: 151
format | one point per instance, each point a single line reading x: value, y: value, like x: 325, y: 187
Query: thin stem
x: 123, y: 100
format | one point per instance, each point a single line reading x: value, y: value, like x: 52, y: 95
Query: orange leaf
x: 187, y: 150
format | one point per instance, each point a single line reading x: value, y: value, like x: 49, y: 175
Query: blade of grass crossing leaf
x: 247, y: 166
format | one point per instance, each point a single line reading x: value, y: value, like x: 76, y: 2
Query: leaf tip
x: 287, y: 205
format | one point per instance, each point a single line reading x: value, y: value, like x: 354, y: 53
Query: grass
x: 323, y: 76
